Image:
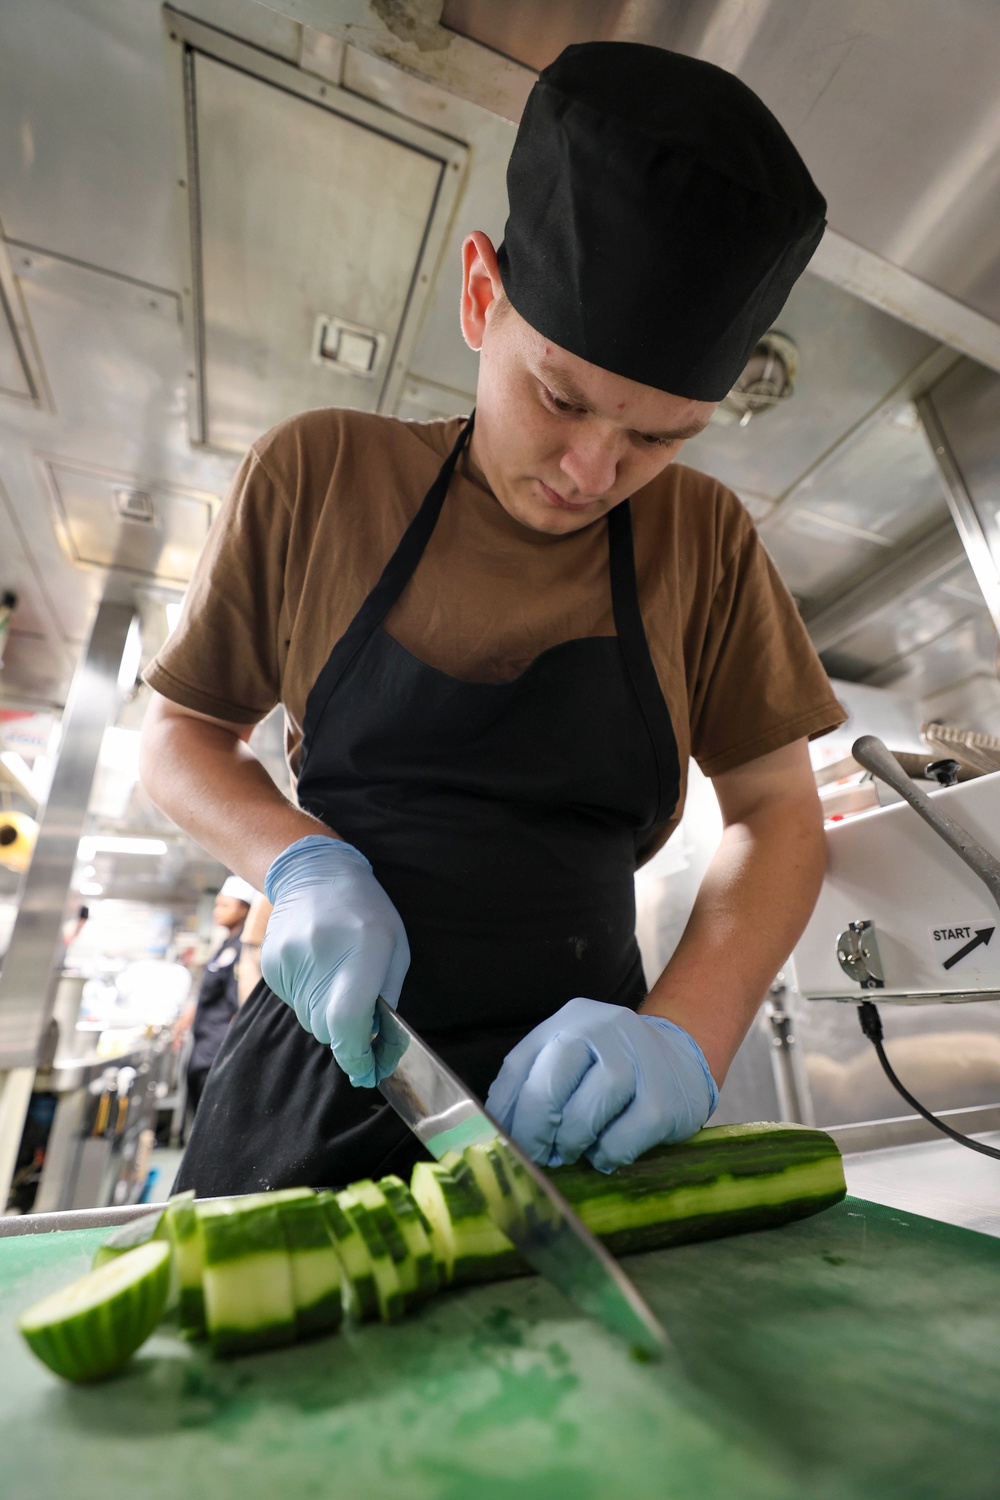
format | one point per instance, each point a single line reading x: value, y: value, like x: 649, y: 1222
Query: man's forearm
x: 750, y: 911
x: 213, y: 786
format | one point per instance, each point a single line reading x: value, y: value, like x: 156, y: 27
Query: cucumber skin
x: 362, y: 1299
x: 309, y: 1242
x: 720, y: 1155
x: 131, y: 1315
x: 151, y: 1226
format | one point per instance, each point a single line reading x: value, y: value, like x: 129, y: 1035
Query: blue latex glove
x: 334, y: 943
x: 600, y: 1081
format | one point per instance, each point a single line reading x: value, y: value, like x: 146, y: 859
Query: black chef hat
x: 659, y: 216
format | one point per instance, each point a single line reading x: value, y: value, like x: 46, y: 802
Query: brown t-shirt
x: 318, y: 506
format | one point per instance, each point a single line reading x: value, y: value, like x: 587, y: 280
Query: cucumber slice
x: 89, y: 1330
x: 181, y: 1224
x: 151, y: 1226
x: 359, y: 1293
x: 414, y: 1230
x: 373, y: 1198
x: 388, y: 1290
x: 317, y: 1273
x: 137, y: 1232
x: 464, y: 1235
x: 247, y: 1277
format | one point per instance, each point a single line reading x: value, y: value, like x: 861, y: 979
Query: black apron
x: 503, y: 821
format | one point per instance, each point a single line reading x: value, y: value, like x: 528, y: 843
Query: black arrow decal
x: 982, y: 937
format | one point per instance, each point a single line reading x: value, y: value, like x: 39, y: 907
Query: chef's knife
x: 442, y: 1113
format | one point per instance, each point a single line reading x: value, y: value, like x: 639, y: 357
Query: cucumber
x: 317, y: 1273
x: 137, y: 1232
x: 414, y: 1230
x: 359, y: 1294
x: 88, y: 1330
x: 181, y: 1223
x: 465, y: 1238
x: 727, y: 1179
x: 247, y: 1276
x: 388, y: 1288
x: 413, y: 1280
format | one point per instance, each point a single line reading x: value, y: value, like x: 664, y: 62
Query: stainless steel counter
x: 938, y: 1179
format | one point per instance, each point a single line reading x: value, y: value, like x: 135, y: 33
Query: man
x: 208, y: 1018
x: 497, y: 642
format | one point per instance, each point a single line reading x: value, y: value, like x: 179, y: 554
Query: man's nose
x: 591, y: 461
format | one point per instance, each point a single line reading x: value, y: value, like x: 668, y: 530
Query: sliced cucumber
x: 464, y: 1235
x: 247, y: 1277
x: 88, y: 1330
x: 388, y: 1288
x: 415, y: 1232
x: 411, y: 1281
x: 181, y: 1224
x: 359, y: 1292
x: 317, y: 1272
x: 137, y: 1232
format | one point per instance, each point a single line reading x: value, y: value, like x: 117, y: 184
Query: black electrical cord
x: 871, y: 1025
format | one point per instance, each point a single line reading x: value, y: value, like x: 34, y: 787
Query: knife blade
x: 445, y: 1116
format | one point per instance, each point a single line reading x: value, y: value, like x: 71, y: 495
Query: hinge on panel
x: 858, y: 955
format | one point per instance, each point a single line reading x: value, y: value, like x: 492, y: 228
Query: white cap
x: 239, y: 889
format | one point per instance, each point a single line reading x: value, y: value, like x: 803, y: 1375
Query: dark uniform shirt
x: 218, y: 1003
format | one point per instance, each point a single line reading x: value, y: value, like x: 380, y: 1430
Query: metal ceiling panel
x: 851, y: 357
x: 927, y: 640
x: 35, y: 671
x: 886, y: 482
x: 893, y: 105
x: 84, y: 133
x: 315, y: 220
x: 14, y: 379
x: 111, y: 521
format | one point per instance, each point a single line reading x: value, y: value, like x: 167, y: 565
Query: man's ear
x: 481, y: 285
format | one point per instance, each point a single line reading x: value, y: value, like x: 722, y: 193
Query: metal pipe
x: 870, y: 752
x: 26, y: 980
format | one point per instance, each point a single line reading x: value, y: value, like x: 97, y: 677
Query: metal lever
x: 870, y: 752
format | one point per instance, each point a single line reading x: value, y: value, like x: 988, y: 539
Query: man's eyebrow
x: 564, y: 387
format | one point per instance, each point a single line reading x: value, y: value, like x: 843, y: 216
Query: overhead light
x: 91, y: 888
x: 92, y: 844
x: 768, y: 379
x: 173, y: 616
x: 89, y: 872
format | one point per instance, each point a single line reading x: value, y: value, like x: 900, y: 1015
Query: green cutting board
x: 852, y: 1356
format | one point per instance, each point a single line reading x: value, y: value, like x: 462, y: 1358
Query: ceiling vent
x: 313, y: 221
x: 769, y: 378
